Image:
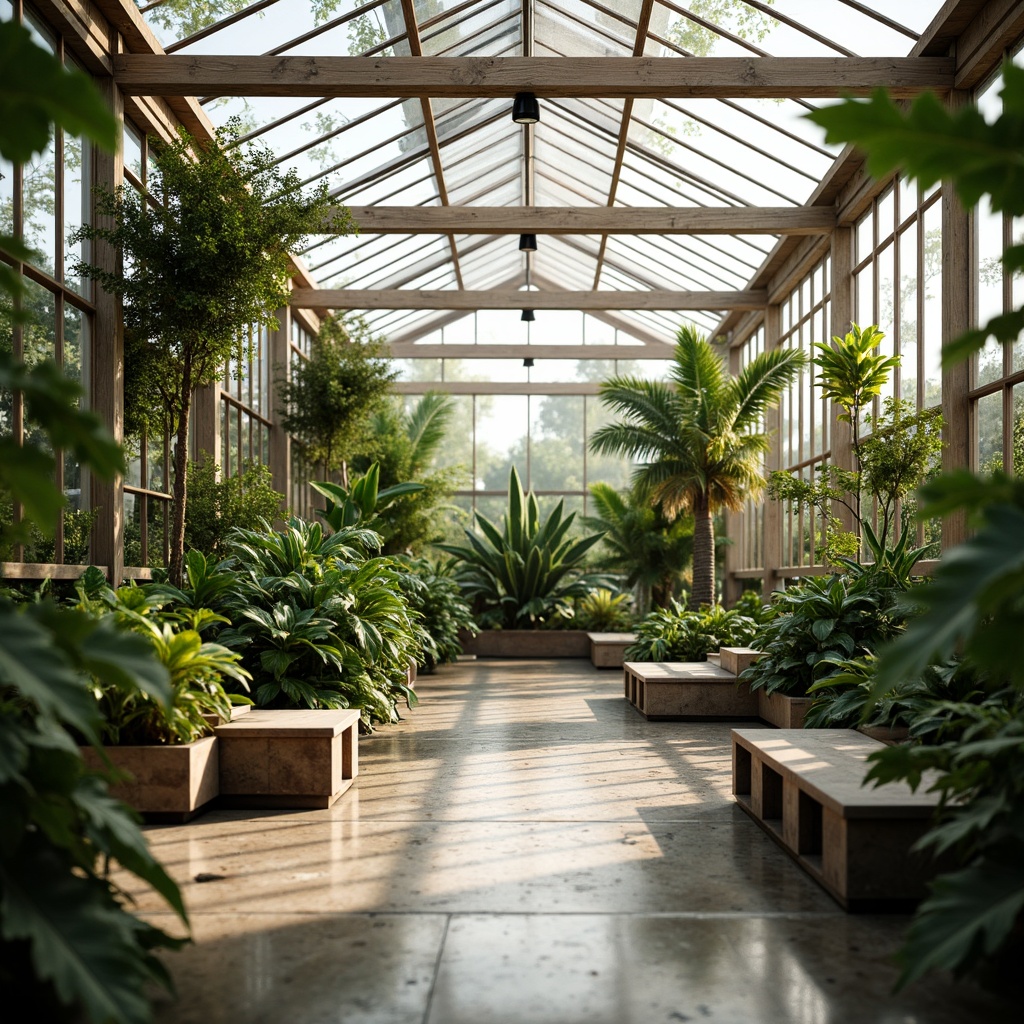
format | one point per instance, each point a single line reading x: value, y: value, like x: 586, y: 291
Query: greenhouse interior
x: 465, y: 461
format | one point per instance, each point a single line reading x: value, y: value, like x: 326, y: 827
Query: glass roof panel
x: 478, y: 30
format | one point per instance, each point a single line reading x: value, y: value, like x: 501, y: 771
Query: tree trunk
x: 177, y: 556
x: 703, y: 590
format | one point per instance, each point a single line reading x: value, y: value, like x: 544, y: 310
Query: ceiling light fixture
x: 525, y: 108
x: 528, y: 362
x: 527, y: 243
x: 528, y: 316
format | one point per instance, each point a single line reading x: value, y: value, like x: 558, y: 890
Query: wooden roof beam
x: 412, y: 298
x: 577, y: 77
x: 572, y: 220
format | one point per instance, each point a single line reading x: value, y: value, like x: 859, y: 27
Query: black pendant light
x: 525, y: 108
x: 527, y: 243
x: 528, y: 362
x: 528, y: 316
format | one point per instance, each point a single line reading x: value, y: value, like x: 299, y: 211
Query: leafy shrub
x: 215, y: 507
x: 527, y: 574
x: 818, y: 626
x: 675, y: 634
x: 602, y: 611
x: 434, y: 595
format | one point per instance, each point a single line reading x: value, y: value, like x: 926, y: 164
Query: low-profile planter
x: 607, y: 650
x: 168, y: 783
x: 889, y: 734
x: 685, y: 690
x: 783, y: 711
x: 528, y: 643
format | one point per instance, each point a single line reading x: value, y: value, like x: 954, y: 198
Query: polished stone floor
x: 526, y: 848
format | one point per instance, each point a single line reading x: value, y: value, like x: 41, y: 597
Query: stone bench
x: 803, y: 787
x: 296, y: 759
x: 607, y: 650
x: 685, y: 690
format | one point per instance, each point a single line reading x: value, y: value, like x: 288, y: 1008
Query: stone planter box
x: 737, y: 659
x: 803, y: 787
x: 607, y: 649
x: 885, y: 734
x: 291, y: 759
x: 686, y: 690
x: 169, y: 783
x: 782, y: 711
x: 237, y: 710
x: 528, y: 643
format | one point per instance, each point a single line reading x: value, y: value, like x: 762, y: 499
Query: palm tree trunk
x: 703, y: 590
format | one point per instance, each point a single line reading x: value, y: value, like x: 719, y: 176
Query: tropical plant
x: 330, y: 397
x: 405, y: 444
x: 319, y: 621
x: 527, y: 573
x: 652, y: 552
x: 68, y: 943
x: 818, y: 626
x: 603, y: 611
x: 363, y: 502
x: 215, y: 507
x: 444, y: 614
x: 678, y: 634
x: 700, y: 439
x: 206, y: 257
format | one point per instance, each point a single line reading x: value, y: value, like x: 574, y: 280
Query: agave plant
x: 527, y: 573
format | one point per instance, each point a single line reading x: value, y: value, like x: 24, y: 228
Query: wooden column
x: 732, y: 587
x: 772, y: 545
x: 280, y: 443
x: 840, y: 431
x: 957, y: 317
x: 106, y: 377
x: 206, y: 421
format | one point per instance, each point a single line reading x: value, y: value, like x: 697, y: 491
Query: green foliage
x: 319, y: 621
x: 435, y: 596
x: 977, y: 767
x: 675, y: 634
x: 818, y: 626
x: 603, y: 611
x: 641, y: 543
x: 363, y: 502
x: 331, y: 396
x: 215, y: 507
x: 405, y: 443
x: 852, y: 372
x: 526, y: 574
x: 831, y: 485
x: 206, y: 258
x: 699, y: 440
x: 63, y: 924
x: 930, y: 143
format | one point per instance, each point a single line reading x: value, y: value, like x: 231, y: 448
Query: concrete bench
x: 297, y: 759
x: 803, y: 787
x: 685, y: 690
x: 607, y: 650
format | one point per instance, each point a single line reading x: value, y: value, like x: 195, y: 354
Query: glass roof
x: 585, y: 152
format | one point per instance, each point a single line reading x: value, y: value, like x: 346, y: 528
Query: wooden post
x: 957, y: 317
x: 731, y: 587
x: 772, y: 522
x: 106, y: 378
x: 206, y: 421
x: 840, y: 431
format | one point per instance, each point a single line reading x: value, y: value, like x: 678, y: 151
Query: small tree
x: 206, y: 255
x: 332, y: 395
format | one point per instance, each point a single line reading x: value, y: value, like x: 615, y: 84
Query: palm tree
x: 699, y: 439
x: 641, y: 543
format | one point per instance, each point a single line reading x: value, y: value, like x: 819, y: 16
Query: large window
x: 750, y: 533
x: 42, y: 203
x: 245, y: 405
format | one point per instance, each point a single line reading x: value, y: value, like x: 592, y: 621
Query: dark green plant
x: 405, y: 444
x: 526, y: 574
x: 444, y: 614
x: 603, y: 611
x: 330, y: 397
x: 207, y: 256
x: 700, y: 439
x: 818, y: 626
x: 215, y: 507
x: 749, y: 603
x: 363, y: 503
x: 652, y: 552
x: 677, y: 634
x: 319, y: 620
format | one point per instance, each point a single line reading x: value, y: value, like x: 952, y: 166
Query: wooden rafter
x: 398, y: 350
x: 413, y: 298
x: 574, y: 220
x: 579, y: 77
